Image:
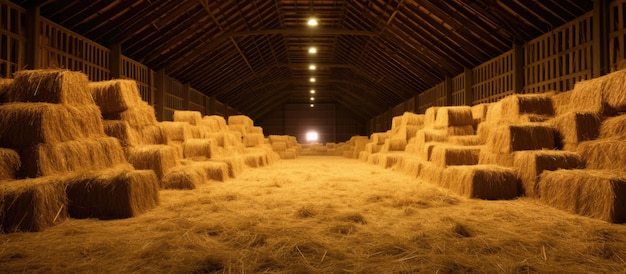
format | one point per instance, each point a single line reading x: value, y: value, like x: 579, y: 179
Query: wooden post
x: 447, y: 85
x: 33, y: 30
x: 159, y: 98
x: 601, y: 11
x: 115, y: 61
x: 469, y: 83
x: 518, y: 68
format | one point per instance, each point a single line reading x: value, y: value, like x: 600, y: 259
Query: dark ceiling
x: 253, y: 55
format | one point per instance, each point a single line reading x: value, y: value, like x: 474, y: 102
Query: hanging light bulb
x: 312, y: 50
x: 312, y: 67
x: 312, y: 22
x: 312, y: 98
x: 312, y: 105
x: 312, y: 91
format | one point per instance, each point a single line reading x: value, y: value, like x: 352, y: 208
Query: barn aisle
x: 323, y: 214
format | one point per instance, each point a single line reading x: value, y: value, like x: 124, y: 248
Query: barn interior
x: 319, y: 136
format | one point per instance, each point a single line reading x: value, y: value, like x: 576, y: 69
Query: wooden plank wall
x: 12, y: 39
x: 617, y: 35
x: 458, y: 90
x: 143, y: 75
x: 493, y: 80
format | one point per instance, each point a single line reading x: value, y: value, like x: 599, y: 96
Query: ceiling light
x: 312, y: 22
x: 312, y: 105
x: 312, y: 67
x: 312, y: 91
x: 312, y: 98
x: 312, y: 80
x: 312, y: 50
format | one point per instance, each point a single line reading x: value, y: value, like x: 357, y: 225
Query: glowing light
x: 312, y: 136
x: 312, y: 50
x: 312, y: 105
x: 312, y: 22
x: 312, y: 67
x: 312, y: 98
x: 312, y: 80
x: 312, y: 91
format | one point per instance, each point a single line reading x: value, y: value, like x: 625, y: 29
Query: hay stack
x: 389, y: 160
x: 596, y: 194
x: 214, y: 122
x: 240, y: 120
x: 510, y: 138
x: 32, y: 204
x: 27, y: 124
x: 115, y: 95
x: 610, y: 89
x: 585, y: 97
x: 604, y: 153
x: 279, y: 146
x: 427, y: 135
x: 479, y: 113
x: 379, y: 138
x: 575, y: 127
x: 409, y: 165
x: 9, y: 164
x: 236, y: 164
x: 253, y: 139
x: 5, y: 85
x: 613, y: 127
x: 373, y: 148
x: 426, y: 151
x: 467, y: 140
x: 211, y: 170
x: 190, y: 116
x: 447, y: 155
x: 256, y: 158
x: 460, y: 130
x: 290, y: 153
x: 393, y: 144
x: 255, y: 130
x: 532, y: 163
x: 514, y: 108
x: 373, y: 159
x: 488, y: 157
x: 122, y: 131
x: 183, y: 177
x: 396, y: 121
x: 430, y: 116
x: 482, y: 181
x: 453, y: 116
x: 71, y: 156
x: 50, y: 86
x: 176, y: 131
x: 199, y: 148
x: 359, y: 145
x: 152, y: 135
x: 159, y: 158
x: 138, y: 116
x: 114, y: 193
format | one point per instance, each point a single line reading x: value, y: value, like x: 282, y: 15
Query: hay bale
x: 373, y: 148
x: 412, y: 119
x: 279, y: 146
x: 236, y: 164
x: 5, y: 85
x: 243, y: 120
x: 152, y: 135
x: 379, y: 138
x: 426, y: 150
x: 241, y: 129
x: 427, y: 135
x: 72, y: 156
x: 255, y: 159
x: 509, y: 138
x: 389, y: 160
x: 430, y: 116
x: 253, y: 139
x: 487, y: 182
x: 432, y: 174
x: 395, y: 123
x: 279, y: 138
x: 460, y: 130
x: 183, y: 177
x: 575, y: 127
x: 159, y: 158
x: 453, y: 116
x: 199, y: 148
x: 122, y: 131
x: 211, y: 170
x: 604, y: 154
x: 374, y: 159
x: 479, y: 112
x: 393, y: 144
x: 27, y: 124
x: 613, y: 127
x: 290, y: 153
x: 32, y: 204
x: 596, y: 194
x: 113, y: 193
x: 138, y: 116
x: 585, y: 97
x: 254, y: 130
x: 512, y: 107
x: 176, y: 131
x: 9, y: 164
x: 409, y: 165
x: 217, y: 123
x: 190, y: 116
x: 532, y: 163
x: 50, y: 86
x: 610, y: 89
x: 488, y: 157
x: 447, y: 155
x: 467, y: 140
x: 115, y: 95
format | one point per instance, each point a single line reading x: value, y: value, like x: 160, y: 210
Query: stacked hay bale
x: 286, y: 146
x: 354, y: 146
x: 64, y: 155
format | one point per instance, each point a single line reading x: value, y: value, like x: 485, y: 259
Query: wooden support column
x: 601, y: 11
x: 518, y: 68
x: 469, y: 84
x: 33, y: 30
x: 447, y: 85
x: 186, y: 97
x: 115, y: 61
x: 159, y: 98
x: 417, y: 104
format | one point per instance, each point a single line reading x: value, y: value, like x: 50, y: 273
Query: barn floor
x: 324, y: 214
